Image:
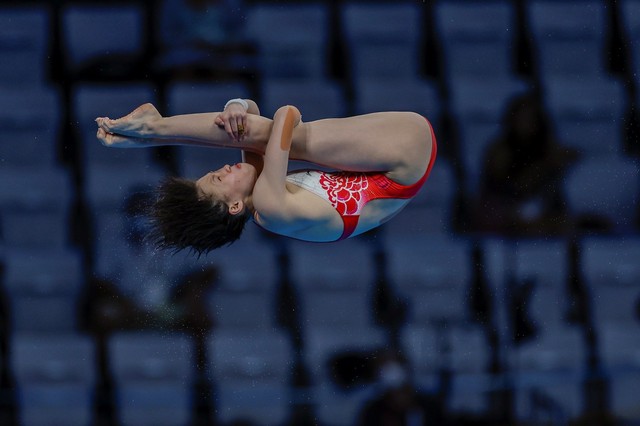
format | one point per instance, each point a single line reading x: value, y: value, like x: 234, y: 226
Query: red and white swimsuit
x: 349, y: 192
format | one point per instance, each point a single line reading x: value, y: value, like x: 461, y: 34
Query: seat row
x: 250, y: 373
x: 335, y: 283
x: 383, y: 39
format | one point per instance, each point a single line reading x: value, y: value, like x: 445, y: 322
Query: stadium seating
x: 55, y: 377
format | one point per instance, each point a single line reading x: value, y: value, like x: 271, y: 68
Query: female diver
x: 382, y: 160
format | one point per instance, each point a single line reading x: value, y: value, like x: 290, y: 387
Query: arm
x: 270, y: 196
x: 256, y: 160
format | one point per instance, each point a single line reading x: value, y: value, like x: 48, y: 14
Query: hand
x: 234, y: 121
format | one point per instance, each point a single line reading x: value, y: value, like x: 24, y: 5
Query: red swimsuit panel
x: 349, y: 192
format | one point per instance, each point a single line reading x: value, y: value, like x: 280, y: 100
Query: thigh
x: 397, y: 143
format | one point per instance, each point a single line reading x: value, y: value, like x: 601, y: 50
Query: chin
x: 249, y: 169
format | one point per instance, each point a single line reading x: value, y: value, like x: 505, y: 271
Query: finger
x: 227, y: 128
x: 234, y: 128
x: 219, y: 121
x: 244, y: 126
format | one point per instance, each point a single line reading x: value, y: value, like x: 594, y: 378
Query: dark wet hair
x: 181, y: 219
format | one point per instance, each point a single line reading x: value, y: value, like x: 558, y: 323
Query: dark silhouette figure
x: 520, y: 192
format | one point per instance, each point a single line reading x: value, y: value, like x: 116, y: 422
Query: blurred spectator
x: 203, y: 39
x: 148, y: 294
x: 521, y: 191
x: 399, y: 402
x: 105, y: 310
x: 108, y: 309
x: 352, y: 368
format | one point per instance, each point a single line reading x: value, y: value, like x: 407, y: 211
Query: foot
x: 138, y: 124
x: 118, y: 141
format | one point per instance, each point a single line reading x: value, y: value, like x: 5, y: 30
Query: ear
x: 236, y: 207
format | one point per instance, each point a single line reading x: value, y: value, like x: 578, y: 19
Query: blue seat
x: 115, y: 100
x: 333, y: 282
x: 316, y: 100
x: 382, y: 40
x: 36, y: 229
x: 142, y: 273
x: 43, y: 287
x: 250, y: 372
x: 611, y: 272
x: 29, y: 126
x: 432, y: 272
x: 620, y: 354
x: 192, y: 97
x: 588, y: 114
x: 31, y: 189
x: 108, y: 243
x: 154, y: 375
x: 478, y: 107
x: 551, y: 366
x: 34, y: 207
x: 195, y: 97
x: 190, y: 37
x: 423, y: 347
x: 431, y: 211
x: 101, y: 32
x: 55, y: 379
x: 332, y: 404
x: 469, y: 356
x: 592, y: 188
x: 630, y: 13
x: 24, y: 45
x: 477, y: 39
x: 571, y: 47
x: 542, y: 261
x: 457, y: 348
x: 421, y: 96
x: 106, y: 189
x: 292, y: 41
x: 545, y: 262
x: 244, y: 294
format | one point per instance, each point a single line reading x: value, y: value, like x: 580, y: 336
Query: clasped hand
x: 234, y: 121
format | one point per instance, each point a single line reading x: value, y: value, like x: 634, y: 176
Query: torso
x: 368, y: 197
x: 346, y: 204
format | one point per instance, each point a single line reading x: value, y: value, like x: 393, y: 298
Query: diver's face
x: 229, y: 183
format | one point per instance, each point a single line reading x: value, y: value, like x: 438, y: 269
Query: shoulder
x: 297, y: 210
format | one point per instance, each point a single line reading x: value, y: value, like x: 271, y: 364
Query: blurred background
x: 507, y: 292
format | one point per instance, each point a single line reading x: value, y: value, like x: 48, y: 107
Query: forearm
x: 276, y: 159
